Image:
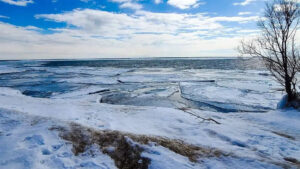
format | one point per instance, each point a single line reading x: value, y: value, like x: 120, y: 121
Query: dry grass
x: 126, y: 148
x: 122, y: 149
x: 292, y: 160
x: 284, y: 135
x: 188, y: 150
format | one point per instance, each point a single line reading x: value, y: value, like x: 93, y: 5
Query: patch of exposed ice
x: 228, y: 99
x: 93, y: 71
x: 82, y: 92
x: 91, y: 80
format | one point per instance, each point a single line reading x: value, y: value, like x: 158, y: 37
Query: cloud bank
x: 101, y: 34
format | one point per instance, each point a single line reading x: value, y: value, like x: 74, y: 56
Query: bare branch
x: 276, y: 45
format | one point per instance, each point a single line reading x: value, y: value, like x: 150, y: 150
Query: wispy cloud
x: 244, y: 3
x: 244, y: 13
x: 108, y: 23
x: 5, y: 17
x: 158, y: 1
x: 131, y: 4
x: 185, y: 4
x: 238, y: 19
x: 18, y: 2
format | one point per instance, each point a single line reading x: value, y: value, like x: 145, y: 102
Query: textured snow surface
x: 249, y: 136
x: 27, y: 142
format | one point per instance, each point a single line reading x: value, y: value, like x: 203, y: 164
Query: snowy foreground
x: 246, y: 129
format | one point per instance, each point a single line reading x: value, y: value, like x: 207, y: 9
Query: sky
x: 79, y: 29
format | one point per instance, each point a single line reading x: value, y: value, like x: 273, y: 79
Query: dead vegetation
x: 292, y: 160
x: 191, y: 151
x: 119, y: 147
x: 125, y: 148
x: 284, y: 135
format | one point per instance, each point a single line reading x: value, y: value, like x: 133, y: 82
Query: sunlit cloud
x: 131, y: 4
x: 18, y: 2
x: 97, y: 33
x: 244, y: 3
x: 185, y: 4
x: 158, y: 1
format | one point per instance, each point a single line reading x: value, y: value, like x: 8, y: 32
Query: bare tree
x: 276, y: 45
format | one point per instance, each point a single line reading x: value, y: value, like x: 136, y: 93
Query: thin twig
x: 197, y: 116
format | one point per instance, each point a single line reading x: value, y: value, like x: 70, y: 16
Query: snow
x: 283, y: 102
x: 27, y: 142
x: 257, y: 140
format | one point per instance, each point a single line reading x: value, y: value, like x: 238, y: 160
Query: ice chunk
x: 227, y: 99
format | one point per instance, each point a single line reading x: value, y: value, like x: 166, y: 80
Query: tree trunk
x: 289, y: 91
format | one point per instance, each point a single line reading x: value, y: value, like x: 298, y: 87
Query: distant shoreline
x: 141, y: 58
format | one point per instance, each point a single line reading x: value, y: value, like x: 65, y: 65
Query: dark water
x: 180, y: 63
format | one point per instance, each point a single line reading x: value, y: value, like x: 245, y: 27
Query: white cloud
x: 114, y: 24
x: 157, y: 1
x: 239, y: 19
x: 244, y: 3
x: 18, y: 2
x: 120, y: 1
x: 185, y: 4
x: 97, y: 33
x: 244, y: 13
x: 131, y: 5
x: 5, y: 17
x: 19, y: 43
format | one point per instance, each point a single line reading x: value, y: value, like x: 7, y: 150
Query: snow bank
x: 4, y: 91
x: 283, y: 102
x: 243, y: 134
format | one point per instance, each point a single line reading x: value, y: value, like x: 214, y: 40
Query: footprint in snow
x: 35, y: 140
x: 56, y: 147
x: 89, y: 165
x: 46, y: 152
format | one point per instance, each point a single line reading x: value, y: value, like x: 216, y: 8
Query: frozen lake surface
x: 224, y: 85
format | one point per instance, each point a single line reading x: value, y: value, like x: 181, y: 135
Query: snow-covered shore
x: 256, y: 140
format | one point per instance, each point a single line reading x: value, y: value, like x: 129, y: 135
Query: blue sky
x: 49, y: 29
